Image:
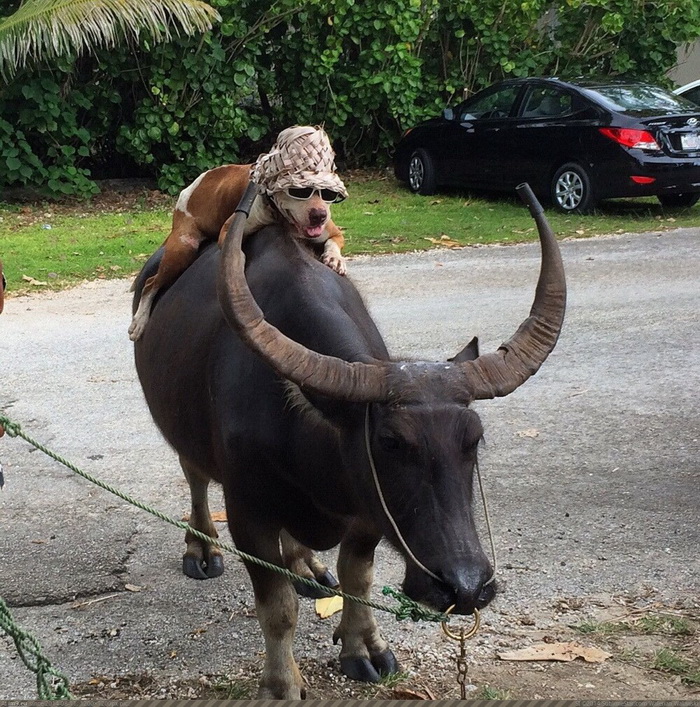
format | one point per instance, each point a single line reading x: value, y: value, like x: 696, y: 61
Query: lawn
x: 52, y: 246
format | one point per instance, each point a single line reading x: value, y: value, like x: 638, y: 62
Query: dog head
x: 298, y: 175
x: 307, y: 209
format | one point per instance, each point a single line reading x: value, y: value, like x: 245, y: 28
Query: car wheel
x: 421, y: 173
x: 678, y: 201
x: 571, y: 190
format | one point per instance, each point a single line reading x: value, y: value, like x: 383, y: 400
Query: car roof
x: 686, y: 87
x: 579, y: 82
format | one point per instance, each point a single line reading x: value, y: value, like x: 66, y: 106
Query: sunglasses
x: 304, y: 193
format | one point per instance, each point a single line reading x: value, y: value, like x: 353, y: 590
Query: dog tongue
x: 313, y: 231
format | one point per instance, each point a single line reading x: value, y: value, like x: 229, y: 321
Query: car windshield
x: 641, y: 99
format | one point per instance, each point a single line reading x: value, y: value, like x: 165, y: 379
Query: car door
x: 477, y: 152
x: 547, y: 131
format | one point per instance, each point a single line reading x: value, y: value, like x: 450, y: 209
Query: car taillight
x: 641, y: 139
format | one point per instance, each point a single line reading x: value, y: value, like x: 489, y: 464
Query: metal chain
x: 461, y: 638
x: 462, y: 669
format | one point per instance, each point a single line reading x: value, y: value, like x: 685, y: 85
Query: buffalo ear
x: 468, y: 353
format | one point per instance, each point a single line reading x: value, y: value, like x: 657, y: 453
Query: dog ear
x: 469, y: 353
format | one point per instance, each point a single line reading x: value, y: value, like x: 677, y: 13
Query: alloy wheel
x: 416, y: 173
x: 569, y: 190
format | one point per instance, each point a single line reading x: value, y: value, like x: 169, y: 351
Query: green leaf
x: 48, y: 29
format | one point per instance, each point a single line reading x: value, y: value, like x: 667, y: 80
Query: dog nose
x: 317, y: 216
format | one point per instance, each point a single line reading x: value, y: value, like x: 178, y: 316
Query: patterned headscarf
x: 301, y: 157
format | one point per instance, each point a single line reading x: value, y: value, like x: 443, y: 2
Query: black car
x: 575, y: 142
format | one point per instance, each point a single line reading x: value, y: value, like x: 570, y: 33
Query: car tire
x: 678, y: 201
x: 571, y: 190
x: 421, y: 173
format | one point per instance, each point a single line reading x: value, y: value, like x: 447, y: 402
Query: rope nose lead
x: 394, y: 525
x: 385, y: 508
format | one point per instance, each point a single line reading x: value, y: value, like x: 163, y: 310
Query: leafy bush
x: 365, y: 69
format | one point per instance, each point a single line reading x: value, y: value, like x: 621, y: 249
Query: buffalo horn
x: 496, y: 374
x: 326, y: 375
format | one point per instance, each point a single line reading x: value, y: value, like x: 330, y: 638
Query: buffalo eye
x: 391, y: 443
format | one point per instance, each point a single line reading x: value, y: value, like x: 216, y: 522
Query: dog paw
x: 136, y: 328
x: 335, y: 263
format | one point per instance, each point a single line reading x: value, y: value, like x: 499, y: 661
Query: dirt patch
x: 654, y: 654
x: 131, y: 197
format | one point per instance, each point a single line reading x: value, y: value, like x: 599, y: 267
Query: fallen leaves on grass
x: 32, y: 281
x: 445, y: 242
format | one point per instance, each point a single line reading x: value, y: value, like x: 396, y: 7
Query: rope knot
x: 12, y: 428
x: 409, y: 609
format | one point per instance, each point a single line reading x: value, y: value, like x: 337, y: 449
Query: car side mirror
x: 448, y: 114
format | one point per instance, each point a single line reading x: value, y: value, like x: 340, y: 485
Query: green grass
x: 392, y: 680
x: 227, y: 688
x: 648, y: 624
x: 604, y: 628
x: 486, y: 692
x: 381, y: 216
x: 669, y: 661
x: 77, y: 248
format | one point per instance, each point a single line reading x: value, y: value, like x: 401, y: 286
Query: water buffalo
x: 319, y: 438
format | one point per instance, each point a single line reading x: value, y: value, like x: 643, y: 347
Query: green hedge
x: 366, y: 69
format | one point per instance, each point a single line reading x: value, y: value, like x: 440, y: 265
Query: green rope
x: 51, y: 684
x: 406, y: 609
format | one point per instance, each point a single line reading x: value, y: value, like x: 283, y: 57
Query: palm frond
x: 43, y: 29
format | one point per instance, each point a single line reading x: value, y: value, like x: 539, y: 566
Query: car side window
x: 547, y: 102
x: 496, y: 104
x: 693, y: 95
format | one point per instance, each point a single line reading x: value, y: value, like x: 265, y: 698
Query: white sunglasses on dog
x: 304, y: 193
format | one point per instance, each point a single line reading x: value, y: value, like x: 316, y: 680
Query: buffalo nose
x: 473, y: 589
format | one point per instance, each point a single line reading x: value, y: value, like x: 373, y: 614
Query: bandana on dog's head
x: 302, y: 156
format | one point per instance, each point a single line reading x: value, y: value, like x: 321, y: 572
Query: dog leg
x: 138, y: 323
x: 180, y: 252
x: 332, y: 257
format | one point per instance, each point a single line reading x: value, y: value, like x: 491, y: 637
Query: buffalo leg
x: 302, y: 561
x: 365, y: 655
x: 201, y: 560
x: 276, y: 605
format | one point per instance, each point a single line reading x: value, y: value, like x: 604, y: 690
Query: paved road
x: 591, y: 467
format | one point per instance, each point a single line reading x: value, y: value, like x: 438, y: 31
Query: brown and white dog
x: 299, y: 183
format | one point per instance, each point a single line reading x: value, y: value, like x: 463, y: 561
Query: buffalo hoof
x: 372, y: 669
x: 215, y: 566
x: 199, y: 569
x: 326, y: 579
